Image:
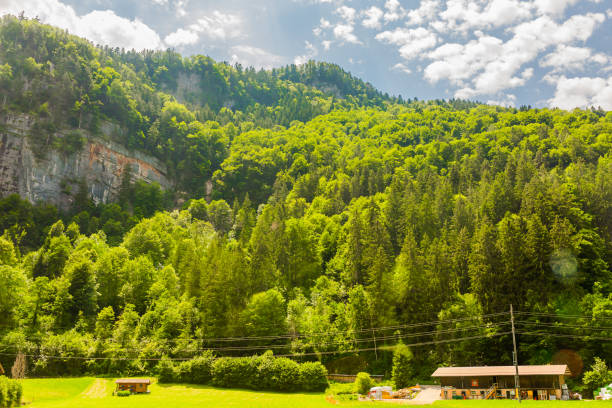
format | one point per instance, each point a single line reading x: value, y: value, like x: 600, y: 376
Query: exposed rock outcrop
x: 56, y: 177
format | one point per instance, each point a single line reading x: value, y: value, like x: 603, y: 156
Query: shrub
x: 402, y: 372
x: 313, y: 376
x: 267, y: 372
x: 281, y: 374
x: 197, y: 370
x: 598, y: 376
x: 240, y: 372
x: 363, y: 383
x: 166, y: 371
x: 124, y: 393
x: 10, y: 392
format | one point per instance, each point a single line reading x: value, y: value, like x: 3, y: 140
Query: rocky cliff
x: 55, y: 177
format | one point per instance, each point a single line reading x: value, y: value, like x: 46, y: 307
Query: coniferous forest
x: 341, y: 221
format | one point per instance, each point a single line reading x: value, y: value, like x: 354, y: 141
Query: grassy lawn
x: 91, y: 392
x: 523, y: 404
x: 97, y: 393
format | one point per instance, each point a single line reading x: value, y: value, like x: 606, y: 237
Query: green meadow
x: 98, y: 393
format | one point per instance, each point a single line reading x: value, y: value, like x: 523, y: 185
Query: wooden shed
x: 134, y: 385
x: 493, y: 382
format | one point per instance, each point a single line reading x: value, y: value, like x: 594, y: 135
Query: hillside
x: 301, y: 211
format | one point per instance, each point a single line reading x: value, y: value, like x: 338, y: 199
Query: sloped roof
x: 501, y: 370
x: 133, y: 381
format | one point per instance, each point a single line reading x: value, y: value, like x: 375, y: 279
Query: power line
x: 43, y: 356
x: 537, y: 314
x: 329, y: 343
x: 566, y: 335
x: 364, y: 330
x: 562, y: 325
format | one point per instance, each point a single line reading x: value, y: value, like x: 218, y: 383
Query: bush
x: 280, y: 374
x: 198, y: 370
x: 402, y: 372
x: 240, y: 372
x: 313, y: 376
x: 363, y: 383
x: 10, y: 392
x: 124, y: 393
x: 598, y: 376
x: 267, y: 372
x: 166, y: 371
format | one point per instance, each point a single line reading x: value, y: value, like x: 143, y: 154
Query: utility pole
x: 517, y: 381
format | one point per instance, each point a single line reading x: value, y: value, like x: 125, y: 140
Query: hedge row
x: 10, y: 392
x: 264, y: 372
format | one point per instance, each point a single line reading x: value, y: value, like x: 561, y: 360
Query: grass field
x: 97, y: 393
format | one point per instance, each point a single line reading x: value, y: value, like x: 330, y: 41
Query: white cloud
x: 411, y: 42
x: 256, y: 57
x: 464, y: 15
x: 569, y: 58
x: 582, y: 92
x: 323, y: 25
x: 181, y: 37
x: 609, y: 13
x: 401, y: 67
x: 102, y: 27
x: 488, y: 65
x: 311, y: 52
x: 426, y: 12
x: 344, y: 32
x: 554, y: 7
x: 394, y: 10
x: 219, y: 26
x: 372, y: 17
x: 505, y: 100
x: 347, y: 13
x: 326, y: 45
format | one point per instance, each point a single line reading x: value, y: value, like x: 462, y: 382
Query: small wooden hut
x: 134, y: 385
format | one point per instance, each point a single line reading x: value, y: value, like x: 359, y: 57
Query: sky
x: 555, y: 53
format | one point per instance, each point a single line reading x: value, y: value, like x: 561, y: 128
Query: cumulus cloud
x: 411, y: 41
x: 427, y: 11
x: 347, y: 13
x: 488, y: 65
x: 464, y: 15
x: 311, y: 52
x: 401, y: 67
x: 344, y: 33
x: 256, y: 57
x: 393, y: 11
x: 372, y: 17
x: 102, y: 27
x: 570, y: 58
x: 219, y: 26
x: 323, y: 25
x: 504, y: 100
x: 326, y: 45
x: 582, y: 92
x: 181, y: 37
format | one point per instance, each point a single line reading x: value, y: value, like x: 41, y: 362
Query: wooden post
x: 517, y: 381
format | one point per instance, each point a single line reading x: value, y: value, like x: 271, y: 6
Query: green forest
x: 342, y: 221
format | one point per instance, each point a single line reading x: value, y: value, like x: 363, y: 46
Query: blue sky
x: 509, y: 52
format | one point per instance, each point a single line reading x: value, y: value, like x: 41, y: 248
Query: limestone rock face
x: 55, y: 178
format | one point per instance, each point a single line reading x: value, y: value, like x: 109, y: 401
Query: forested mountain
x: 336, y: 219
